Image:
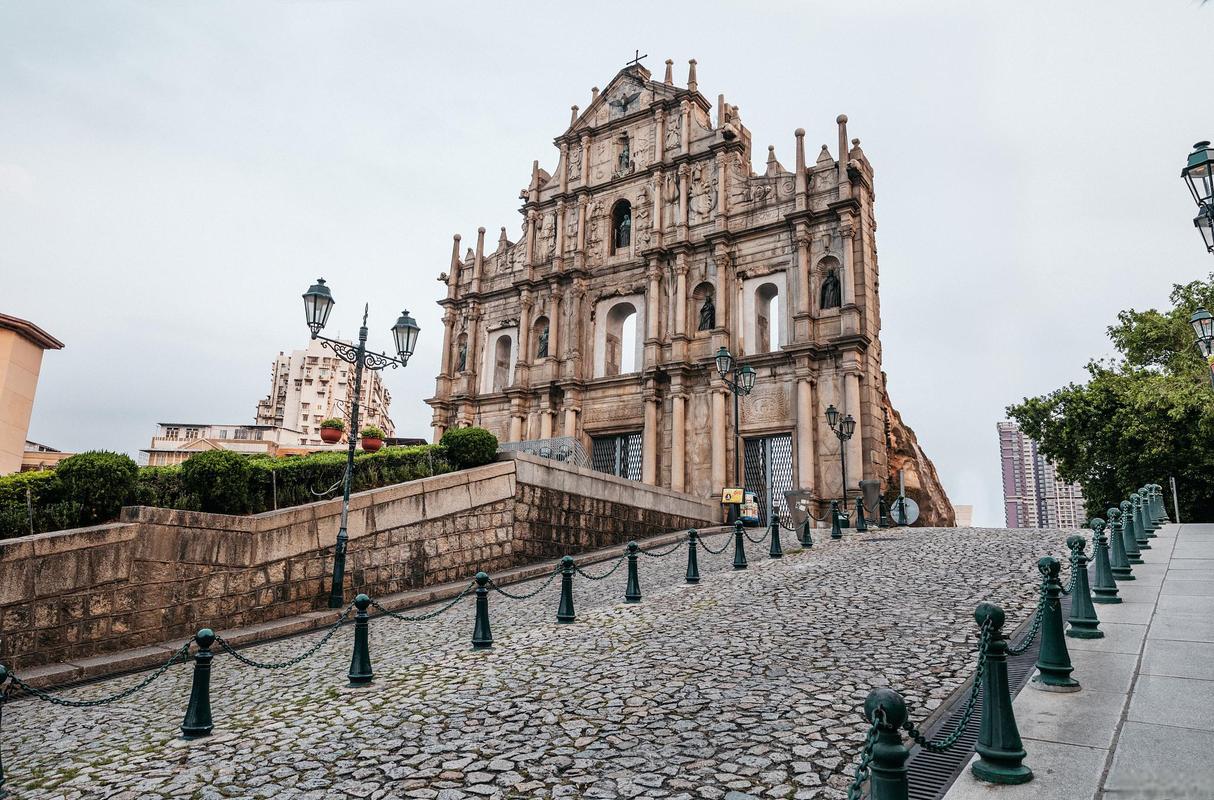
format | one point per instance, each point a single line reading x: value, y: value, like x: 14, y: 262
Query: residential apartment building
x: 1033, y: 494
x: 309, y: 386
x: 174, y: 442
x: 21, y: 346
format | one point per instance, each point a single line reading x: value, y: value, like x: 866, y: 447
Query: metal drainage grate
x: 932, y: 774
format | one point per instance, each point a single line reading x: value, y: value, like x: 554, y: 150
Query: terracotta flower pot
x: 372, y: 444
x: 330, y: 435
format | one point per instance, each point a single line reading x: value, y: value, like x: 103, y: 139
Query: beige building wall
x: 21, y: 346
x: 309, y: 386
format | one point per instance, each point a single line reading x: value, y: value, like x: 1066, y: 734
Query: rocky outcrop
x: 918, y: 472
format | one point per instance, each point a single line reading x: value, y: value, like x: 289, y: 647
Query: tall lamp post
x: 740, y: 381
x: 318, y: 302
x: 1198, y: 173
x: 843, y: 429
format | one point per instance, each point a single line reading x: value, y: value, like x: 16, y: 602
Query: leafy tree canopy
x: 1142, y: 417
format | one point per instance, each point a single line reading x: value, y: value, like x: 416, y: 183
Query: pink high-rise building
x: 1033, y: 494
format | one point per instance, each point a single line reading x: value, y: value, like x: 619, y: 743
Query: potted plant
x: 373, y: 438
x: 331, y: 430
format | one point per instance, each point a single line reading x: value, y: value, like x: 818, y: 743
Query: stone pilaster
x: 678, y: 441
x: 807, y: 420
x: 718, y: 439
x: 649, y: 448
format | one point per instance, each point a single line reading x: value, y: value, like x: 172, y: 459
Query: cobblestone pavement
x: 748, y: 684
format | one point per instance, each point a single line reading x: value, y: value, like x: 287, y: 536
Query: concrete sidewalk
x: 1143, y: 724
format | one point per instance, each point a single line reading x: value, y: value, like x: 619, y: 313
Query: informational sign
x: 732, y: 496
x: 904, y: 506
x: 750, y: 509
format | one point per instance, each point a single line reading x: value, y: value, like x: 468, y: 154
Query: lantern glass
x: 1199, y: 173
x: 1204, y: 223
x: 747, y: 378
x: 404, y: 335
x: 849, y: 425
x: 318, y: 302
x: 832, y: 416
x: 1203, y: 325
x: 724, y: 361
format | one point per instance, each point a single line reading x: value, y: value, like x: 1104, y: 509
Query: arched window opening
x: 621, y: 226
x: 621, y: 340
x: 704, y: 307
x: 539, y: 335
x: 501, y: 363
x: 767, y: 318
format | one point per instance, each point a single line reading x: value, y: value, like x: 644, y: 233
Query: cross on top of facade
x: 636, y: 59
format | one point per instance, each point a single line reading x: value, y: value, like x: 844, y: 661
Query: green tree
x: 1141, y: 417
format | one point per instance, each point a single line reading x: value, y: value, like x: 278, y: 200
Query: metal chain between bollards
x: 1074, y: 574
x: 866, y: 757
x: 103, y: 701
x: 232, y: 651
x: 752, y: 540
x: 724, y: 547
x: 664, y: 553
x: 1027, y: 642
x: 432, y: 614
x: 493, y: 585
x: 605, y: 575
x: 942, y: 745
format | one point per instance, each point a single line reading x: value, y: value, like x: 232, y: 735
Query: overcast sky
x: 173, y: 176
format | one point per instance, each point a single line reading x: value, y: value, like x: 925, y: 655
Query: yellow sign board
x: 733, y: 496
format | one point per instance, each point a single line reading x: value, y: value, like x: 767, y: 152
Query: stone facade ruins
x: 652, y: 244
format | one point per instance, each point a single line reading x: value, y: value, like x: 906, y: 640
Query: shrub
x: 334, y: 423
x: 100, y: 481
x: 23, y: 491
x: 163, y: 487
x: 469, y: 447
x: 219, y: 479
x: 371, y: 432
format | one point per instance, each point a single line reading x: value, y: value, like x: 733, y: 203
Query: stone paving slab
x: 1180, y: 702
x: 1160, y: 762
x: 750, y: 682
x: 1060, y: 772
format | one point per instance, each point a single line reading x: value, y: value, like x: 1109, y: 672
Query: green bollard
x: 564, y: 611
x: 1000, y: 751
x: 1053, y: 660
x: 1117, y: 556
x: 775, y: 550
x: 360, y: 661
x: 835, y: 533
x: 482, y: 636
x: 1084, y: 624
x: 1104, y: 590
x: 632, y: 592
x: 1133, y: 519
x: 1142, y: 523
x: 739, y: 546
x: 807, y: 539
x: 197, y: 723
x: 693, y: 563
x: 1129, y: 536
x: 861, y: 524
x: 888, y: 779
x: 1161, y: 509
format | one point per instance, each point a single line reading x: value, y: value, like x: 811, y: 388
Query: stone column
x: 582, y: 202
x: 722, y: 215
x: 659, y: 144
x: 685, y: 121
x: 531, y: 215
x: 559, y: 255
x: 554, y: 323
x: 855, y: 445
x: 524, y: 332
x: 448, y: 340
x: 577, y: 331
x: 516, y: 420
x: 586, y: 160
x: 659, y: 207
x: 570, y: 421
x: 803, y: 273
x: 718, y: 440
x: 651, y: 300
x: 848, y: 295
x: 806, y: 420
x: 678, y: 442
x: 546, y: 422
x: 684, y: 187
x: 680, y: 294
x: 564, y: 167
x: 649, y: 454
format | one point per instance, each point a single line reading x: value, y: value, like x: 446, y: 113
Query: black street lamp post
x: 318, y: 302
x: 1198, y: 173
x: 740, y: 381
x: 843, y: 429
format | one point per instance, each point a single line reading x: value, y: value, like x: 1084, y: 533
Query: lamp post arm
x: 354, y: 354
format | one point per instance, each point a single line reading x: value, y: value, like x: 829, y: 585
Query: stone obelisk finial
x: 670, y: 72
x: 799, y: 182
x: 453, y: 275
x: 594, y: 93
x: 572, y: 116
x: 842, y: 120
x: 691, y: 75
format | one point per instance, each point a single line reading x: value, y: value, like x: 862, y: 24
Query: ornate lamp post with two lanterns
x: 843, y: 428
x: 740, y: 380
x: 318, y: 302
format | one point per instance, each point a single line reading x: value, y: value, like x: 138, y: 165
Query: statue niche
x: 831, y: 295
x: 708, y: 313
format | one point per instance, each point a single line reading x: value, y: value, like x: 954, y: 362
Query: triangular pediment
x: 631, y: 90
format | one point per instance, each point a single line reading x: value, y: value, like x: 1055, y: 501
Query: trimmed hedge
x: 469, y: 447
x: 94, y: 488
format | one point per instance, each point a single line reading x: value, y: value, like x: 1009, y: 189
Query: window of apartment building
x: 241, y: 433
x: 172, y: 433
x: 223, y: 433
x: 191, y: 433
x: 258, y: 435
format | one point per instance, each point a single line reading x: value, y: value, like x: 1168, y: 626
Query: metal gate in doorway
x: 769, y: 472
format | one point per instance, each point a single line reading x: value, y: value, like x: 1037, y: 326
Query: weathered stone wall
x: 159, y: 574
